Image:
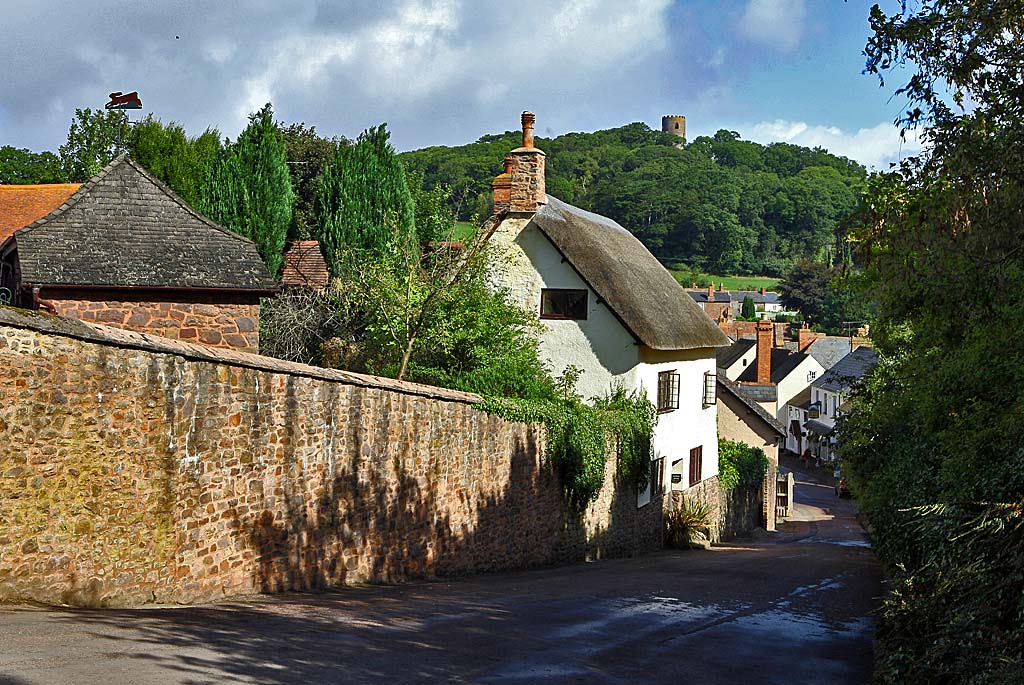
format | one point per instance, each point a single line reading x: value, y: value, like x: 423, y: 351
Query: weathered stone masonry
x: 136, y: 469
x: 217, y: 320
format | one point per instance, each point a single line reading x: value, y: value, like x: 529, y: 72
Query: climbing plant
x: 740, y: 464
x: 580, y: 435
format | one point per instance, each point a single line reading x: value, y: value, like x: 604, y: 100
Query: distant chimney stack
x: 765, y: 334
x: 711, y: 292
x: 521, y: 188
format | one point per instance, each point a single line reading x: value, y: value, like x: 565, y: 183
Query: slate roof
x: 850, y: 368
x: 739, y: 392
x: 727, y: 356
x: 701, y: 295
x: 761, y: 393
x: 829, y: 350
x: 645, y: 297
x: 783, y: 362
x: 304, y: 266
x: 20, y: 205
x: 124, y: 228
x: 820, y: 427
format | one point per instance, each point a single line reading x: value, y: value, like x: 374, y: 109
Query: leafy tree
x: 363, y: 200
x: 185, y: 164
x: 95, y: 139
x: 21, y: 166
x: 933, y: 446
x: 805, y: 288
x: 251, y: 191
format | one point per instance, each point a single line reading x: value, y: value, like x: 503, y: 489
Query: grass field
x: 728, y: 282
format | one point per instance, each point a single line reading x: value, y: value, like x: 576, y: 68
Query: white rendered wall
x: 693, y: 424
x: 524, y: 261
x: 795, y: 382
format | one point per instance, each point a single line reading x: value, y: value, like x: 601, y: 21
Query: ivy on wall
x: 580, y: 435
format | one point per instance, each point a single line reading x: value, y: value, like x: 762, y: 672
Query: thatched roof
x: 124, y: 228
x: 644, y: 296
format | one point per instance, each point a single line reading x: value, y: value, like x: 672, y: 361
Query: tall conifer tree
x: 363, y: 201
x: 251, y: 191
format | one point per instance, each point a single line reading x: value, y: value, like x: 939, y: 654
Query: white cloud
x: 775, y: 23
x: 874, y: 147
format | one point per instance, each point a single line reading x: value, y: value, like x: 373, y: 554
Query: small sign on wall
x: 677, y: 478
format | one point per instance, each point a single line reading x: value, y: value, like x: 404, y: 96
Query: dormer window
x: 563, y: 303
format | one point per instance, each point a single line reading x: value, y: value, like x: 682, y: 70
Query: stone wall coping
x: 116, y: 337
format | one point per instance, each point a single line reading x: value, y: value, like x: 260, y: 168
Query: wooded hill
x: 719, y: 203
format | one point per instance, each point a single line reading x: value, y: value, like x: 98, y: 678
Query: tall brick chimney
x: 521, y: 188
x: 765, y: 334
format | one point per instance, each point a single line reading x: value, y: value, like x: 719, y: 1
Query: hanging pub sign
x: 119, y: 100
x: 814, y: 411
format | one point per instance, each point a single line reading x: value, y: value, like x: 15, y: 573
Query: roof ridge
x: 181, y: 201
x: 75, y: 197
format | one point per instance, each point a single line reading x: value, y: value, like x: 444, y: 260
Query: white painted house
x: 827, y: 396
x: 610, y: 309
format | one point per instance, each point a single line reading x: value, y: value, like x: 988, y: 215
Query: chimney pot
x: 528, y: 121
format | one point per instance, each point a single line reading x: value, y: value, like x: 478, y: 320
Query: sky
x: 445, y: 72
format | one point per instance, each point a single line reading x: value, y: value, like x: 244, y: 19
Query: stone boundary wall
x: 136, y: 469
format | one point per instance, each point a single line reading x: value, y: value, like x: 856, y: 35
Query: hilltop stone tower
x: 674, y: 124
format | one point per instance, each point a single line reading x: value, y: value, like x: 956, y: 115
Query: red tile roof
x: 21, y: 205
x: 304, y: 265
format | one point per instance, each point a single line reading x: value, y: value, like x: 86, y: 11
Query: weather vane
x: 119, y: 100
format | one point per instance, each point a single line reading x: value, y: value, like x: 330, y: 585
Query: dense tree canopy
x: 934, y: 445
x: 308, y: 155
x: 720, y: 203
x: 19, y: 165
x: 95, y: 138
x: 363, y: 200
x: 185, y: 164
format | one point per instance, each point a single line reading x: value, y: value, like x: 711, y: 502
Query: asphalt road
x: 793, y: 607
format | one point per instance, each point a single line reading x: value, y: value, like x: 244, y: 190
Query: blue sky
x: 448, y: 71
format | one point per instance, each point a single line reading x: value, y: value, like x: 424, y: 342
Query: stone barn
x: 125, y: 250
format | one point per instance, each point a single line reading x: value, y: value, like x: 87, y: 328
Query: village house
x: 767, y: 374
x: 125, y: 250
x: 826, y: 401
x: 723, y: 304
x: 611, y: 310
